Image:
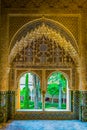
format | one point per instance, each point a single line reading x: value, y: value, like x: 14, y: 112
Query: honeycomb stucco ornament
x: 51, y: 33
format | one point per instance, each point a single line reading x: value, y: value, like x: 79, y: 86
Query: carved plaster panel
x: 51, y: 34
x: 20, y: 72
x: 42, y: 52
x: 43, y: 75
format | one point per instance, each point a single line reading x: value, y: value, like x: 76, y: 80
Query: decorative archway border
x: 39, y: 72
x: 49, y: 28
x: 43, y: 80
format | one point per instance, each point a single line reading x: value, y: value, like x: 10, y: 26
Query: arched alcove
x: 49, y: 29
x: 28, y: 93
x: 57, y: 93
x: 45, y: 46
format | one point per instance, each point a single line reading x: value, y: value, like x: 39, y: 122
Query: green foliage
x: 63, y: 82
x: 26, y: 93
x: 52, y: 89
x: 57, y: 85
x: 49, y: 105
x: 59, y: 79
x: 22, y: 92
x: 31, y: 105
x: 25, y: 102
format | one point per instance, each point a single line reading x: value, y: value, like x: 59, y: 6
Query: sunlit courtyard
x: 56, y: 96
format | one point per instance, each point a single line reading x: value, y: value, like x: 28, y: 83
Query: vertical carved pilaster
x: 43, y: 100
x: 78, y: 78
x: 43, y: 88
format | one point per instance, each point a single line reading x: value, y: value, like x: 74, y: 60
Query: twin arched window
x: 56, y: 96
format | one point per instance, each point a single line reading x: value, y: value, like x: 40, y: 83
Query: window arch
x: 57, y: 94
x: 30, y: 96
x: 29, y: 92
x: 43, y: 27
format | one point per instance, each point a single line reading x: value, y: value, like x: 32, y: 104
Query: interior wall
x: 15, y: 14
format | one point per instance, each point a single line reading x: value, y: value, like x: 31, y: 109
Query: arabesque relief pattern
x: 42, y: 52
x: 16, y: 13
x: 52, y: 37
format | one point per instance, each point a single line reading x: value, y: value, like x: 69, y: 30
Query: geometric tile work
x: 80, y: 106
x: 64, y: 115
x: 84, y: 98
x: 11, y: 104
x: 6, y: 105
x: 84, y: 106
x: 3, y: 106
x: 84, y: 113
x: 76, y: 104
x: 43, y: 115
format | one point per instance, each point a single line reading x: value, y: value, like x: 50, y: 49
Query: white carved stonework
x: 45, y: 43
x: 42, y: 51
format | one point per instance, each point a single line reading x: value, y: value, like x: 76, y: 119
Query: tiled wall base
x: 44, y: 115
x: 78, y: 109
x: 3, y: 106
x: 62, y: 115
x: 76, y: 104
x: 7, y: 105
x: 84, y: 106
x: 84, y: 113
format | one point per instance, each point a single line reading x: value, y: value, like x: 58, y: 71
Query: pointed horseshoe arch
x: 28, y: 91
x: 18, y: 78
x: 49, y: 28
x: 57, y: 90
x: 63, y: 73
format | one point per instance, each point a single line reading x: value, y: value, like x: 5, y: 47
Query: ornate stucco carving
x: 54, y: 25
x: 50, y: 34
x: 42, y: 52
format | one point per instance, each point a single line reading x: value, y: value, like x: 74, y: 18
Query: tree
x: 36, y: 90
x: 52, y: 89
x: 61, y: 83
x: 62, y: 87
x: 26, y: 95
x: 22, y: 92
